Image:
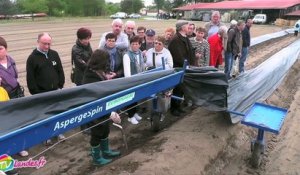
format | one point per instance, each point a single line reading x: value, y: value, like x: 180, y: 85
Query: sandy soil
x: 202, y: 142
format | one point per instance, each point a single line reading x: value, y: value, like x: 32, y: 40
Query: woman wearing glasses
x: 154, y: 55
x: 154, y: 58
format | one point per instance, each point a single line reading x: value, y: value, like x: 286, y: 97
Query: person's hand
x: 115, y: 117
x: 111, y: 75
x: 144, y: 53
x: 198, y: 55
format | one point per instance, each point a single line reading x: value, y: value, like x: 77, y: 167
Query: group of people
x: 228, y: 44
x: 124, y: 53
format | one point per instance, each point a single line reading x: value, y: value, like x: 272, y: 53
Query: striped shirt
x: 201, y: 47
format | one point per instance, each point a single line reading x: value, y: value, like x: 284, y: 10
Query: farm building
x: 242, y: 9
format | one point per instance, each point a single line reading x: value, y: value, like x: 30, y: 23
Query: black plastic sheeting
x: 21, y: 112
x: 206, y: 87
x: 257, y: 84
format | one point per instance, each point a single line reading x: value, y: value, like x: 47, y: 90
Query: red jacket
x: 216, y: 48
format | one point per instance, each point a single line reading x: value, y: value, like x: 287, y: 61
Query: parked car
x: 121, y: 15
x: 135, y: 16
x: 260, y: 19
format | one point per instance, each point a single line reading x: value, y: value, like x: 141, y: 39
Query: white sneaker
x: 23, y: 153
x: 48, y: 142
x: 133, y: 120
x: 61, y: 137
x: 137, y: 117
x: 162, y: 117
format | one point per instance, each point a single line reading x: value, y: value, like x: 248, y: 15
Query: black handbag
x: 72, y: 76
x: 17, y: 92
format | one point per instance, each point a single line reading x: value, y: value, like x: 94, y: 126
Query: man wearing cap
x: 150, y: 37
x: 122, y: 39
x: 181, y: 49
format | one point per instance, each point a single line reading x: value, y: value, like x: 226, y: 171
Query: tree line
x: 84, y: 7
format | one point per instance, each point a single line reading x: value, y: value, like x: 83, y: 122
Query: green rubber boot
x: 97, y: 156
x: 106, y: 151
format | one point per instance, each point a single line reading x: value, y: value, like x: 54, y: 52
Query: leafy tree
x: 99, y: 10
x: 111, y: 8
x: 34, y: 6
x: 74, y: 7
x: 159, y: 4
x: 168, y: 6
x: 56, y: 7
x: 7, y: 7
x: 131, y: 6
x: 178, y: 3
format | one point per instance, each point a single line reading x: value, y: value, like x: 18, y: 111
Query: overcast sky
x: 147, y: 2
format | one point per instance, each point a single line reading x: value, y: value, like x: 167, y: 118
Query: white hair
x: 129, y: 22
x: 222, y: 29
x: 118, y: 20
x: 233, y: 22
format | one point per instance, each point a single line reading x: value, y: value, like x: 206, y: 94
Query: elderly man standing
x: 246, y: 45
x: 234, y: 46
x: 213, y: 26
x: 181, y: 49
x: 129, y: 29
x: 122, y: 39
x: 44, y: 69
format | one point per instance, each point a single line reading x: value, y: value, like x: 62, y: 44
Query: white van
x: 121, y: 15
x: 260, y: 19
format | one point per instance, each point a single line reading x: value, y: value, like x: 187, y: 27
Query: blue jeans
x: 228, y: 63
x: 243, y: 59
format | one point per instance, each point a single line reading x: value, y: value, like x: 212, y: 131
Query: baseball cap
x: 150, y: 32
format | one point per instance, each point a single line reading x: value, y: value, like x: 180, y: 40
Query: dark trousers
x: 177, y: 91
x: 132, y: 111
x: 98, y: 132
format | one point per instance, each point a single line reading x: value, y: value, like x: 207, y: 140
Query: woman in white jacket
x: 154, y: 55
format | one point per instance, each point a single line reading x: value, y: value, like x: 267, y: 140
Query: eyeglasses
x: 130, y: 28
x: 159, y: 43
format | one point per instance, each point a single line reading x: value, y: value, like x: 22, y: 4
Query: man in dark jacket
x: 246, y: 44
x: 44, y: 69
x: 234, y: 46
x: 180, y: 46
x: 181, y: 49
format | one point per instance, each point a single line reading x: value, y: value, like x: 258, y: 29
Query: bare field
x: 202, y: 142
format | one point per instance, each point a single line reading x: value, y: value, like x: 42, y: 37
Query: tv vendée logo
x: 7, y: 163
